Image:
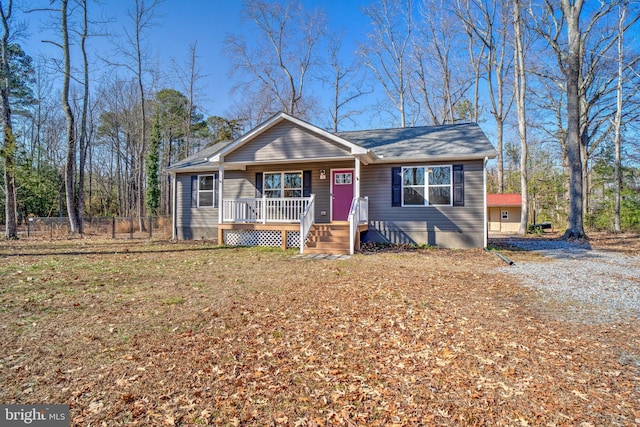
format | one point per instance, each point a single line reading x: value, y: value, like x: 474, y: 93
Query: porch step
x: 328, y: 239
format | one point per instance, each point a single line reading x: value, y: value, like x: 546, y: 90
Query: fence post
x: 113, y: 227
x: 150, y: 226
x: 131, y: 227
x: 28, y: 227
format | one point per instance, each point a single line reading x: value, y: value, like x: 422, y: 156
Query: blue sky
x: 180, y: 23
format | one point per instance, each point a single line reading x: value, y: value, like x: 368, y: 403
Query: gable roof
x: 199, y: 161
x: 448, y: 142
x: 504, y: 200
x: 415, y: 144
x: 278, y: 118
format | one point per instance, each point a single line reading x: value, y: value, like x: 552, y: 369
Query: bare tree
x: 83, y: 141
x: 70, y: 163
x: 443, y: 73
x: 520, y: 94
x: 9, y: 144
x: 386, y: 52
x: 617, y: 122
x: 347, y: 84
x: 190, y: 77
x: 142, y: 18
x: 627, y: 90
x: 572, y: 10
x: 490, y: 22
x: 278, y: 62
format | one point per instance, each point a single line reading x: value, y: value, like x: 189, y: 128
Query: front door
x: 341, y: 193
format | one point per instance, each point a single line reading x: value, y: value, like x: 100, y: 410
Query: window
x: 425, y: 186
x: 343, y: 178
x: 282, y: 184
x: 505, y: 214
x: 206, y: 190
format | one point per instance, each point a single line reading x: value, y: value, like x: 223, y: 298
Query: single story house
x: 504, y: 212
x: 289, y: 183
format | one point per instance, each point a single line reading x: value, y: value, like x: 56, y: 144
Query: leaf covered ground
x: 135, y: 333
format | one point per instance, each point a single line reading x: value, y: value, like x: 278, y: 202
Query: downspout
x: 484, y: 202
x: 174, y: 211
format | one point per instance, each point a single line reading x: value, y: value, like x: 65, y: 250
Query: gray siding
x: 193, y: 223
x: 443, y: 226
x: 286, y: 141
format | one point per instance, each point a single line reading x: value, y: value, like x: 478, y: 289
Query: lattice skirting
x: 260, y: 238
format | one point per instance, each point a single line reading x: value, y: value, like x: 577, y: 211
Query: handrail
x: 358, y: 214
x: 307, y: 219
x: 265, y: 209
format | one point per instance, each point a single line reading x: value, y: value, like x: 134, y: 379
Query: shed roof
x: 504, y: 200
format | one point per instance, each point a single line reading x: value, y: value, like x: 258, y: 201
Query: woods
x: 88, y: 131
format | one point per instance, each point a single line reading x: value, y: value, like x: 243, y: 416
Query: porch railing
x: 306, y: 221
x: 263, y: 210
x: 358, y: 214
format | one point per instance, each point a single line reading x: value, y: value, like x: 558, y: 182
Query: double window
x: 427, y: 186
x: 283, y: 184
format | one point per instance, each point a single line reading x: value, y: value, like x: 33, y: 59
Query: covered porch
x: 290, y: 222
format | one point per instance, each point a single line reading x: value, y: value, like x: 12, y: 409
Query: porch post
x: 220, y: 193
x: 356, y: 190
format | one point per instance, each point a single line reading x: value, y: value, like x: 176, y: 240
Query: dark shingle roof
x: 200, y: 160
x: 426, y: 142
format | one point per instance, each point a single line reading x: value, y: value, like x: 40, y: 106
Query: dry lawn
x: 135, y: 333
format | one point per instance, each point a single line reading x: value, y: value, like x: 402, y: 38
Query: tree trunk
x: 71, y: 139
x: 9, y: 144
x: 617, y: 124
x: 142, y: 147
x: 575, y: 226
x: 83, y: 142
x: 520, y: 90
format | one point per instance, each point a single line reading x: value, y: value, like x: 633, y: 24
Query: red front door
x: 341, y: 193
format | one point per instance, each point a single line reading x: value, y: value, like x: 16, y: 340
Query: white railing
x: 306, y: 221
x: 358, y: 214
x: 263, y: 210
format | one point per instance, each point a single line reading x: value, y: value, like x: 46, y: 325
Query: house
x: 504, y: 212
x: 291, y: 184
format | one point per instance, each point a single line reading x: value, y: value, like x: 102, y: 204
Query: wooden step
x: 328, y: 239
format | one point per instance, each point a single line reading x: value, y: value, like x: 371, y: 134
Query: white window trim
x: 426, y: 185
x: 213, y: 190
x: 264, y: 179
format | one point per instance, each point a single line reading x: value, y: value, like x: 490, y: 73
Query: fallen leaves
x: 425, y: 337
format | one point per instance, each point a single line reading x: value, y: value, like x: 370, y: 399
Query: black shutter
x: 194, y: 191
x: 258, y: 184
x: 396, y: 186
x: 306, y: 183
x: 216, y: 189
x: 458, y: 185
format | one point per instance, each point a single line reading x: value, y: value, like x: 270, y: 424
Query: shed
x: 503, y: 212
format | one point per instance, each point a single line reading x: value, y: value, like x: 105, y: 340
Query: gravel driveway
x: 586, y: 285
